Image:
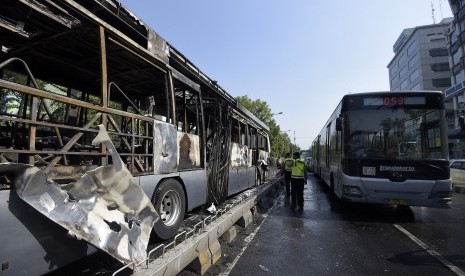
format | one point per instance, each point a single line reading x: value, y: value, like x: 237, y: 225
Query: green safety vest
x: 288, y: 164
x: 298, y: 170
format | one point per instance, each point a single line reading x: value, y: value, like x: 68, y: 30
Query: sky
x: 299, y: 56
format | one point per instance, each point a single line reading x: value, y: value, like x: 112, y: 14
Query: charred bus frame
x: 67, y: 66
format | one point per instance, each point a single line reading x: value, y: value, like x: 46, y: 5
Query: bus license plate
x: 392, y: 201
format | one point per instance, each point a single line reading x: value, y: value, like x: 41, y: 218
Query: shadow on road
x: 321, y: 204
x: 422, y: 258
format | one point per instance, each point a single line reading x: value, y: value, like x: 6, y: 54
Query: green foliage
x: 258, y: 108
x: 279, y: 140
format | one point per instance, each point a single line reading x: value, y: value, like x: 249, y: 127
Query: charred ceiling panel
x: 119, y: 17
x: 189, y: 151
x: 185, y: 80
x: 24, y: 22
x: 105, y: 207
x: 239, y: 156
x: 158, y: 46
x: 45, y: 8
x: 164, y: 147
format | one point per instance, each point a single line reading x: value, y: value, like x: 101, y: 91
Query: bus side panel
x: 238, y: 180
x: 239, y: 169
x: 189, y: 151
x: 325, y: 173
x: 164, y: 148
x: 316, y: 155
x: 195, y: 184
x: 335, y: 157
x: 252, y: 170
x: 26, y: 232
x: 323, y: 169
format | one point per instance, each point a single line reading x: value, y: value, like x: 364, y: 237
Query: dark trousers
x: 297, y: 192
x: 287, y: 180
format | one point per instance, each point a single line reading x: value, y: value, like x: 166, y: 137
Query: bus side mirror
x: 339, y: 124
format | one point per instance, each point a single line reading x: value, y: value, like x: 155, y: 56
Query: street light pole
x: 293, y: 145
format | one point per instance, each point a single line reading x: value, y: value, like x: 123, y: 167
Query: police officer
x: 298, y: 180
x: 287, y: 169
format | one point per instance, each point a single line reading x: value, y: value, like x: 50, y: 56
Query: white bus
x: 69, y: 67
x: 388, y: 148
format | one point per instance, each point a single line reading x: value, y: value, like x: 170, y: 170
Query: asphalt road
x: 331, y: 238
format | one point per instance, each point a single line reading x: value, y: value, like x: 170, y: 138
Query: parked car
x: 457, y: 171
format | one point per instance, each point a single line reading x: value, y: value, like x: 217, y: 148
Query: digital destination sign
x: 394, y: 101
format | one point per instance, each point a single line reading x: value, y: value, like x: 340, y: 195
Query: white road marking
x: 249, y: 238
x: 431, y: 251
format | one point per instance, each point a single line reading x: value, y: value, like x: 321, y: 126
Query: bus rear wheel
x: 170, y: 203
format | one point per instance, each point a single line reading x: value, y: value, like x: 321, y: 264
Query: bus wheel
x: 170, y: 203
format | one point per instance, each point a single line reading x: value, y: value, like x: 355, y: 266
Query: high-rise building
x: 455, y: 44
x: 421, y: 59
x: 455, y: 95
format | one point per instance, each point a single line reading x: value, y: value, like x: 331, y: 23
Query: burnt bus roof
x: 253, y: 117
x: 58, y: 39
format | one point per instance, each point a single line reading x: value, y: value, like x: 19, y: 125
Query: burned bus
x: 107, y: 130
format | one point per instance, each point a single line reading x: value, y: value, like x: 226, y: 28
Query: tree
x: 280, y: 142
x: 258, y: 108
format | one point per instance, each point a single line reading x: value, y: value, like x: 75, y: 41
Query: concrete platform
x: 202, y: 250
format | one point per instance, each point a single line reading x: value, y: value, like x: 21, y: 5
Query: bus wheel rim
x: 170, y: 208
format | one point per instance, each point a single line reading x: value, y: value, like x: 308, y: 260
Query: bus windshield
x: 395, y: 133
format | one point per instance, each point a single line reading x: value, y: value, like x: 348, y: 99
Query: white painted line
x: 432, y: 252
x: 249, y: 238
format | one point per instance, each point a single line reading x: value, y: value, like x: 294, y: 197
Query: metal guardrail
x: 202, y: 227
x: 179, y: 238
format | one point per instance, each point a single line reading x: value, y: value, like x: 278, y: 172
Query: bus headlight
x: 443, y: 194
x: 352, y: 191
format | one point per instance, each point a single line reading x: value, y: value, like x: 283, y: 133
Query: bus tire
x: 169, y: 201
